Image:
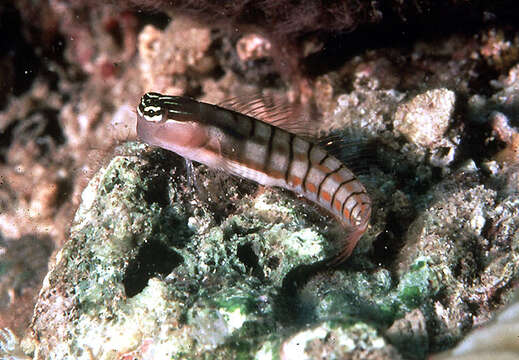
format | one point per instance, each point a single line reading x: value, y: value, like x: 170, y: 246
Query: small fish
x: 260, y: 151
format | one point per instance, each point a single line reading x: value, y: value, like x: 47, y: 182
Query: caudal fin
x: 347, y: 245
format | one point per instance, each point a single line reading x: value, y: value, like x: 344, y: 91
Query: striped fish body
x: 256, y: 150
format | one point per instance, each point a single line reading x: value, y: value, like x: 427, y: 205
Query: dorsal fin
x: 273, y: 109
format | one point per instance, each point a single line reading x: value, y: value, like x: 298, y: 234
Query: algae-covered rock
x: 151, y: 272
x: 148, y: 272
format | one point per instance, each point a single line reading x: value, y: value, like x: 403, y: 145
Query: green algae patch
x: 420, y: 283
x: 354, y: 294
x: 233, y: 315
x: 373, y: 295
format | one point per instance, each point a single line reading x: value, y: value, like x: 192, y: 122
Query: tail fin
x: 347, y: 245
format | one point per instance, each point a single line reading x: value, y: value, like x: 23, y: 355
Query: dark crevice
x: 18, y: 62
x: 154, y: 258
x: 158, y: 19
x: 289, y: 307
x: 249, y: 258
x: 160, y: 176
x: 401, y: 26
x: 158, y: 191
x: 388, y: 243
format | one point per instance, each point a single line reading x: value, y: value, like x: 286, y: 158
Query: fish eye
x: 149, y: 108
x: 158, y: 108
x: 151, y: 113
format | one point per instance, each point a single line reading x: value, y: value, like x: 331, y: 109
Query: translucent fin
x: 123, y: 124
x: 190, y: 174
x: 356, y: 153
x: 346, y: 247
x: 295, y: 118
